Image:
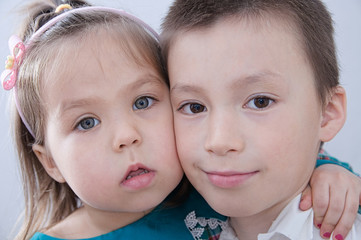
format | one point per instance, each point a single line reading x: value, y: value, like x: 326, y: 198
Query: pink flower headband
x: 18, y: 48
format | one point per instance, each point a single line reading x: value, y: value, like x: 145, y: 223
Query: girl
x: 93, y: 117
x: 93, y: 103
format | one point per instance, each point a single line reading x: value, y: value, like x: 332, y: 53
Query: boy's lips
x: 229, y: 179
x: 138, y: 176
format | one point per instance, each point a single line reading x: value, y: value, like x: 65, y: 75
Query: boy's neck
x: 248, y: 228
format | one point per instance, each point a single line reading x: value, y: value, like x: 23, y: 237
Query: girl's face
x: 109, y: 132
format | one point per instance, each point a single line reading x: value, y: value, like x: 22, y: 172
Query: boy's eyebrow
x: 185, y: 88
x: 261, y: 76
x: 252, y: 79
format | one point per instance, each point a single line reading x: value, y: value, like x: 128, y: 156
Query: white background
x: 347, y: 17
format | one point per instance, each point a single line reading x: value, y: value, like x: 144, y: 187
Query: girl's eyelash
x: 150, y: 103
x: 78, y: 124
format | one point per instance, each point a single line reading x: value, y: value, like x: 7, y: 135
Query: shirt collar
x: 291, y: 223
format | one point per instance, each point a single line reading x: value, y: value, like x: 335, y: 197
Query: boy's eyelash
x: 185, y: 104
x: 191, y: 108
x: 268, y: 100
x: 181, y: 106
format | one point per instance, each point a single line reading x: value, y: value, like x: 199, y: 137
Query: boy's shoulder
x: 294, y: 224
x: 201, y: 220
x: 355, y: 232
x: 298, y: 225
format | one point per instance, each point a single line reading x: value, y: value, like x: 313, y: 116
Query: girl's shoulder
x: 42, y: 236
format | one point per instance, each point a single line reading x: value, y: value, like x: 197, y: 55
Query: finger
x: 306, y: 199
x: 348, y: 217
x: 320, y: 204
x: 334, y: 212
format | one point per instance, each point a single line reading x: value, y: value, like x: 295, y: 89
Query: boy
x: 255, y: 91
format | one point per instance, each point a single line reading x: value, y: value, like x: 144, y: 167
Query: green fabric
x: 161, y: 223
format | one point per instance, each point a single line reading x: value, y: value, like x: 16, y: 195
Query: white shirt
x: 294, y: 224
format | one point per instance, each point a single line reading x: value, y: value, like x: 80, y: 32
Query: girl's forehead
x: 100, y: 54
x: 67, y: 55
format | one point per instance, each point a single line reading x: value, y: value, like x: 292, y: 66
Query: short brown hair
x: 311, y: 18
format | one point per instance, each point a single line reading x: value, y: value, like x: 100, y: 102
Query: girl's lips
x: 137, y: 177
x: 229, y: 179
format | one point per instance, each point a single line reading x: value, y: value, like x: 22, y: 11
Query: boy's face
x: 109, y: 129
x: 247, y: 115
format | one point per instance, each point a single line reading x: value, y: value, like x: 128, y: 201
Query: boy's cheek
x: 187, y: 145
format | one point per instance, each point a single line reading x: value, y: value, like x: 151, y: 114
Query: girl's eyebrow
x: 78, y: 103
x: 147, y: 79
x: 93, y: 100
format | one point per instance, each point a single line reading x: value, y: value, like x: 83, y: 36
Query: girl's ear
x: 334, y: 115
x: 48, y: 163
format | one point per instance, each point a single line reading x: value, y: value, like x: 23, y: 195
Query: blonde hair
x: 46, y: 201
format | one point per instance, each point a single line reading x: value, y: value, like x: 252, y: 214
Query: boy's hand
x: 336, y: 195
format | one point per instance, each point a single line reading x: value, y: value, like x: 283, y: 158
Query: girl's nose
x: 126, y: 134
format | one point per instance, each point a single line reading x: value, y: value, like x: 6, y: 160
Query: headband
x: 18, y: 48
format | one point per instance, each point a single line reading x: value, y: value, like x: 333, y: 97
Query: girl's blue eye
x: 260, y: 103
x: 192, y: 108
x: 143, y: 103
x: 87, y: 124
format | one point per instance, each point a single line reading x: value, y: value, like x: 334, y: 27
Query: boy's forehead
x: 284, y: 27
x: 247, y: 53
x: 267, y: 20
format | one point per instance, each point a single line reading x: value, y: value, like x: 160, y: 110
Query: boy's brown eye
x: 192, y: 108
x: 196, y: 108
x: 261, y: 102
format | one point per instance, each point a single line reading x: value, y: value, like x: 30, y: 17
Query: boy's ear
x: 334, y: 115
x: 48, y: 163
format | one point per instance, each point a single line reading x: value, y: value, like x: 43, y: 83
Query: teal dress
x: 162, y: 223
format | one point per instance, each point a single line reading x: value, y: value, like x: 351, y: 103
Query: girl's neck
x: 87, y: 222
x: 109, y: 221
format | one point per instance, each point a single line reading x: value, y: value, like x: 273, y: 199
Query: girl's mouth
x: 138, y: 177
x: 138, y: 172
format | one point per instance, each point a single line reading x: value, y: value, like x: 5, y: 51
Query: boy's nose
x: 223, y: 135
